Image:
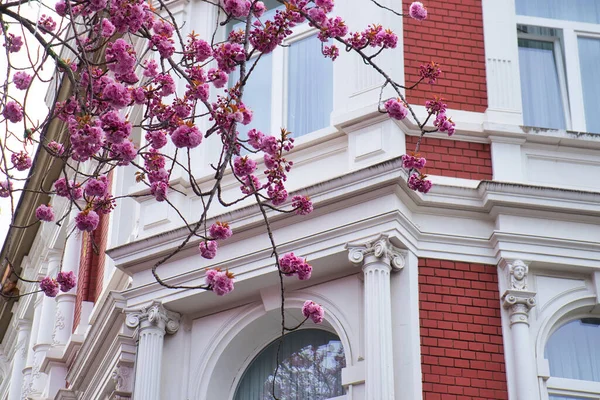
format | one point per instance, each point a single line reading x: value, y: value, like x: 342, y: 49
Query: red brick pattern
x: 91, y: 265
x: 454, y: 158
x: 461, y: 334
x: 452, y: 36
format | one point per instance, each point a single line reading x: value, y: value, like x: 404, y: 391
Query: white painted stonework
x: 142, y: 341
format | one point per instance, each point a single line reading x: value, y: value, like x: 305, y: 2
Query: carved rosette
x: 155, y: 315
x: 381, y: 248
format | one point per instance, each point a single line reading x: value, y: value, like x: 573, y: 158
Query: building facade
x: 487, y: 287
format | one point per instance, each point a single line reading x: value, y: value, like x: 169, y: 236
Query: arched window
x: 310, y: 368
x: 573, y: 353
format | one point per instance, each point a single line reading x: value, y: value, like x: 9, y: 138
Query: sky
x: 36, y: 107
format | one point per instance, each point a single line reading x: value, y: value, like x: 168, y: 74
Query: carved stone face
x: 519, y: 272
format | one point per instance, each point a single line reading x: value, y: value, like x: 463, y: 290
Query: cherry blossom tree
x: 114, y: 56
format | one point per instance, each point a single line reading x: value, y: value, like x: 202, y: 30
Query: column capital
x: 381, y: 248
x: 154, y: 315
x: 23, y: 325
x: 518, y: 303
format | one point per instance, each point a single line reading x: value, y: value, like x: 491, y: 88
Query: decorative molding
x: 381, y: 248
x: 153, y: 315
x: 123, y: 378
x: 518, y: 303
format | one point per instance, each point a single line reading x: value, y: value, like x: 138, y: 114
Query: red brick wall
x: 452, y: 36
x: 454, y: 158
x: 461, y: 334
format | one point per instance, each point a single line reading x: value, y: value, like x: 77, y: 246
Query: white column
x: 518, y: 300
x: 19, y: 358
x: 45, y: 331
x: 65, y: 302
x: 378, y: 258
x: 28, y: 370
x: 152, y: 322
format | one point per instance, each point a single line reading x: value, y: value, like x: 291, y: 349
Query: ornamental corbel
x: 154, y: 315
x: 381, y: 248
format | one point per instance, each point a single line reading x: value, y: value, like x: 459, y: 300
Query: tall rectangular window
x: 540, y: 86
x: 570, y: 10
x: 589, y: 63
x: 310, y: 87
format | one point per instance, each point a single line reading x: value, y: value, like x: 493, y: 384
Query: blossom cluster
x: 220, y: 282
x: 290, y: 264
x: 64, y: 282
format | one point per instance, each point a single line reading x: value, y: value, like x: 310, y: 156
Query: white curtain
x: 573, y: 351
x: 571, y: 10
x: 310, y: 369
x: 589, y: 58
x: 257, y: 94
x: 540, y: 91
x: 310, y: 87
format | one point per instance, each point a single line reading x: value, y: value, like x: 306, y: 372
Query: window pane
x: 554, y: 397
x: 573, y: 351
x: 589, y: 57
x: 257, y: 94
x: 540, y: 90
x: 311, y: 369
x: 571, y: 10
x: 310, y: 87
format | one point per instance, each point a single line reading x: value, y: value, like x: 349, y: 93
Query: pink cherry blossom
x: 44, y: 213
x: 302, y: 205
x: 418, y: 183
x: 97, y: 187
x: 208, y: 249
x: 87, y: 220
x: 13, y: 43
x: 66, y: 280
x: 430, y: 72
x: 417, y: 11
x: 159, y: 190
x: 70, y: 190
x: 237, y: 8
x: 243, y: 166
x: 21, y: 161
x: 49, y: 286
x: 410, y: 162
x: 157, y: 139
x: 108, y: 29
x: 220, y: 282
x: 312, y: 310
x: 259, y: 9
x: 186, y: 136
x: 56, y: 147
x: 220, y: 231
x: 290, y: 264
x: 217, y: 77
x: 13, y: 112
x: 5, y: 188
x: 46, y: 23
x: 22, y: 80
x: 396, y: 109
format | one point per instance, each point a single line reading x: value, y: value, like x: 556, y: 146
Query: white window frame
x: 279, y: 86
x: 579, y: 389
x: 571, y: 31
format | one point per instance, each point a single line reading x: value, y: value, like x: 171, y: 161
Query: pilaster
x: 19, y: 359
x: 153, y: 322
x: 518, y: 300
x: 378, y: 259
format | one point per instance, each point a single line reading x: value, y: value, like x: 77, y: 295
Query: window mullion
x: 278, y: 103
x: 573, y: 80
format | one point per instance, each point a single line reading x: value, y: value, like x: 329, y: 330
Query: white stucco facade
x: 364, y: 240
